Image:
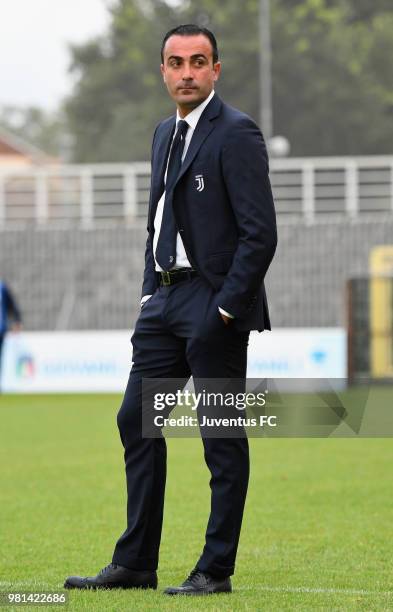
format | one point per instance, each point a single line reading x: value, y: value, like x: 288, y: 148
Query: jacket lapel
x: 161, y: 151
x: 202, y: 131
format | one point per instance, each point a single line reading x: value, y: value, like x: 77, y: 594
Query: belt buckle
x: 166, y: 278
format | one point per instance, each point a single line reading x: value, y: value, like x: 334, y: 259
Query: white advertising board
x: 298, y: 353
x: 68, y: 362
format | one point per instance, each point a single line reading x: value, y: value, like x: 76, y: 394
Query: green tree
x: 119, y: 97
x: 332, y: 81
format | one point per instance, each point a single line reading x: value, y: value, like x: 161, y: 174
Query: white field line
x: 30, y: 584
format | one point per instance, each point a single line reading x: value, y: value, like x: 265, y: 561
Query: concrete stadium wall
x: 91, y: 279
x: 307, y: 280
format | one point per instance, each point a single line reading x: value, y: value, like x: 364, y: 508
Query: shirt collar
x: 193, y: 117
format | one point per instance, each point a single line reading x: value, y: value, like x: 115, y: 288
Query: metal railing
x: 87, y: 196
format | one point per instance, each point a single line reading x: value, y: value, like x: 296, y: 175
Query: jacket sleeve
x: 149, y: 277
x: 11, y: 305
x: 246, y: 175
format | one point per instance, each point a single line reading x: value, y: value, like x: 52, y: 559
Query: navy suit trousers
x: 179, y: 334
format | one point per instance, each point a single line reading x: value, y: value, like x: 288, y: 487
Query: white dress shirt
x: 192, y: 120
x: 181, y: 257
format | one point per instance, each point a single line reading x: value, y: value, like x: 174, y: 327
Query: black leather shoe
x: 114, y: 577
x: 200, y: 583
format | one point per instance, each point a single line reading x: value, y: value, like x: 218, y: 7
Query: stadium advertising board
x: 100, y: 361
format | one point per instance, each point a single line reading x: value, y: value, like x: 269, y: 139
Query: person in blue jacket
x: 10, y: 316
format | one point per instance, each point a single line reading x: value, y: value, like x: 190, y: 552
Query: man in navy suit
x: 211, y: 238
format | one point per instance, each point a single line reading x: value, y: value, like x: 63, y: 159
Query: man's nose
x: 187, y: 72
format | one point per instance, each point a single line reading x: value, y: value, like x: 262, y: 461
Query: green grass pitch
x: 317, y: 530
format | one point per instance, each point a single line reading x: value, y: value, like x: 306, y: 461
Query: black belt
x: 175, y: 276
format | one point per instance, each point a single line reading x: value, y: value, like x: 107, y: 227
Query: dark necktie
x: 166, y: 244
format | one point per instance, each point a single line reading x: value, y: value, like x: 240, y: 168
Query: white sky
x: 33, y: 46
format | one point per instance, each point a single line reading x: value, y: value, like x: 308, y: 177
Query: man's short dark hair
x: 190, y: 29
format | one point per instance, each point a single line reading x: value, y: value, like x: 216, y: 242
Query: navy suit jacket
x: 223, y: 207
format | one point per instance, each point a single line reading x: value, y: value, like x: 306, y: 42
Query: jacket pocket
x: 220, y: 262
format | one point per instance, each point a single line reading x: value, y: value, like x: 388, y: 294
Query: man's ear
x: 162, y: 68
x: 217, y: 70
